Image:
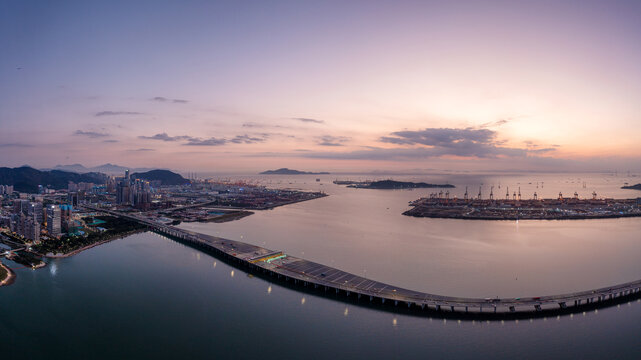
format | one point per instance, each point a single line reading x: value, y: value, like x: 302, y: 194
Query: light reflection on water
x: 364, y: 232
x: 152, y: 298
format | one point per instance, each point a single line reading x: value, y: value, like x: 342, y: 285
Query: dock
x: 304, y: 273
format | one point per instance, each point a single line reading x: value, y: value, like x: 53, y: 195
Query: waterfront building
x: 32, y: 229
x: 54, y: 218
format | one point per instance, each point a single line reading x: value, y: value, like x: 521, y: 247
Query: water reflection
x: 269, y: 289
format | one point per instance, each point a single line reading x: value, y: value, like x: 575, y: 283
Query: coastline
x: 77, y: 251
x: 10, y: 278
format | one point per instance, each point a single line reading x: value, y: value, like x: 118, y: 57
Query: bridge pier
x: 395, y: 302
x: 438, y: 307
x: 452, y: 308
x: 512, y: 309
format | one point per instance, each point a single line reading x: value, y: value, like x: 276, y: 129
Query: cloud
x: 541, y: 150
x: 246, y: 139
x: 195, y: 141
x: 433, y: 143
x: 15, y: 145
x: 164, y: 99
x: 91, y: 134
x: 116, y: 113
x: 465, y: 142
x: 165, y: 137
x: 445, y: 137
x: 308, y: 120
x: 206, y: 142
x: 495, y: 123
x: 329, y: 140
x: 142, y: 150
x: 110, y: 141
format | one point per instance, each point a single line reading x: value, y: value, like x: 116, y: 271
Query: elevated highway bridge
x: 304, y: 273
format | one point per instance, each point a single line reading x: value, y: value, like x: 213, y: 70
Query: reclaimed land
x: 543, y: 209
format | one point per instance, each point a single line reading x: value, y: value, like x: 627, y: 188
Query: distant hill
x: 633, y: 187
x: 286, y: 171
x: 109, y: 169
x: 391, y: 184
x: 166, y: 177
x: 27, y: 179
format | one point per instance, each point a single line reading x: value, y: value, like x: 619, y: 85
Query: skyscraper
x: 53, y: 220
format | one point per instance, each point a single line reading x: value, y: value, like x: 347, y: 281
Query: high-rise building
x: 32, y: 229
x: 35, y: 211
x: 54, y: 216
x: 21, y: 206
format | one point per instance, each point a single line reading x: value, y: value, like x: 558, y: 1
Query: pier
x: 321, y: 278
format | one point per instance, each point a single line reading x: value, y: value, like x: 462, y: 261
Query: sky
x: 244, y: 86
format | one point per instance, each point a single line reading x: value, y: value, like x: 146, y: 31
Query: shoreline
x: 10, y: 278
x: 78, y: 251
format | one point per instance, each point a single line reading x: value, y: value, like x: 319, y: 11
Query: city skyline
x: 363, y: 86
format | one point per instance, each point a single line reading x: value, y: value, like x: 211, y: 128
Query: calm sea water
x: 149, y: 297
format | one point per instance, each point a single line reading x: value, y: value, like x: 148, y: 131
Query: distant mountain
x: 286, y: 171
x: 391, y: 184
x: 109, y: 169
x: 633, y: 187
x: 166, y: 177
x: 27, y: 179
x: 77, y: 168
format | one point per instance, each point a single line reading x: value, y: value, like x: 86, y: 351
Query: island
x: 632, y: 187
x: 390, y: 184
x: 286, y: 171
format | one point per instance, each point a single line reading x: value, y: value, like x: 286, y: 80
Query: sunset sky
x: 322, y: 85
